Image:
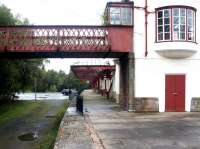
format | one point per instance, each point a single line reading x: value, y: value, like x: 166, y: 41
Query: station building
x: 166, y: 39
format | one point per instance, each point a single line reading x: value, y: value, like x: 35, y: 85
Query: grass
x: 11, y: 110
x: 18, y: 109
x: 49, y: 137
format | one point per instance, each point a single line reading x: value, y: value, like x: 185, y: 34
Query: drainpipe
x: 146, y: 28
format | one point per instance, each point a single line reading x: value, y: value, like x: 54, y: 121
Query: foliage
x: 16, y: 74
x: 7, y: 18
x: 104, y: 19
x: 71, y: 81
x: 51, y: 81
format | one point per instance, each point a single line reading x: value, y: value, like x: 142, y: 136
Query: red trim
x: 156, y: 27
x: 172, y: 25
x: 195, y: 27
x: 187, y: 25
x: 120, y: 4
x: 177, y: 41
x: 146, y: 28
x: 176, y: 6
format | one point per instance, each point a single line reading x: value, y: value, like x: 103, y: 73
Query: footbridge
x: 65, y: 41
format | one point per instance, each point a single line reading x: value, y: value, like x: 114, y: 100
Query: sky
x: 60, y: 12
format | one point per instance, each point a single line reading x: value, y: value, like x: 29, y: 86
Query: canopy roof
x: 92, y: 72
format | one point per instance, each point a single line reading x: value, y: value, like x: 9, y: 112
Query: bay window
x: 176, y: 23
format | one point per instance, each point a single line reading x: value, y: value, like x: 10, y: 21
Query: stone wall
x: 146, y: 104
x: 195, y: 104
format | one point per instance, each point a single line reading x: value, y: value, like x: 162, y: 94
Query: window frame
x: 171, y: 38
x: 120, y: 15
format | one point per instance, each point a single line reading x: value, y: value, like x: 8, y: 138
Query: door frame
x: 176, y: 74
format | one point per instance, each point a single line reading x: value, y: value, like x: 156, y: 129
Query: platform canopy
x: 92, y: 72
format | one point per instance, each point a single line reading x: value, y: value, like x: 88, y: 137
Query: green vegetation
x: 33, y: 112
x: 16, y: 109
x: 52, y: 81
x: 15, y: 74
x: 18, y: 75
x: 49, y: 137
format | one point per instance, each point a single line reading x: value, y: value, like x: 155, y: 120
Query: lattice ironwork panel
x: 54, y: 38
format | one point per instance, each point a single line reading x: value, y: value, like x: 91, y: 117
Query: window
x: 120, y: 16
x: 176, y: 23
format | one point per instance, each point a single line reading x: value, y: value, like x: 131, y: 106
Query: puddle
x: 50, y: 116
x: 30, y: 136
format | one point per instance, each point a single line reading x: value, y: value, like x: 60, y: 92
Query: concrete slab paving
x: 117, y: 129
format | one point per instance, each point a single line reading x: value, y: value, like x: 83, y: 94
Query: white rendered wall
x: 116, y: 85
x: 150, y: 71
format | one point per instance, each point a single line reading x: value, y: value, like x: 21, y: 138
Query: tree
x: 16, y: 74
x: 71, y: 81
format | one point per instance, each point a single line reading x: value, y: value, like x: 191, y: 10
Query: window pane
x: 126, y: 17
x: 114, y: 10
x: 166, y: 20
x: 160, y: 36
x: 167, y: 36
x: 190, y: 36
x: 190, y: 21
x: 160, y: 21
x: 160, y: 29
x: 160, y: 14
x: 115, y: 15
x: 190, y: 13
x: 182, y: 36
x: 166, y: 13
x: 182, y: 20
x: 129, y: 16
x: 182, y: 12
x: 167, y: 28
x: 190, y: 29
x: 176, y: 27
x: 182, y: 28
x: 176, y: 20
x: 115, y: 18
x: 176, y: 36
x: 176, y: 12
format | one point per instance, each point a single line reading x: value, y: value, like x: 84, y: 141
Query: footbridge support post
x: 127, y: 82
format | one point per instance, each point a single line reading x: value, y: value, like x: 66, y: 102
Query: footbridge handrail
x: 54, y: 37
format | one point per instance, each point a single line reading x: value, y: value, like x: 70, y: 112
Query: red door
x: 175, y: 93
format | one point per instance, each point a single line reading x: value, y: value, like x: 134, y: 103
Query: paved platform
x: 105, y: 126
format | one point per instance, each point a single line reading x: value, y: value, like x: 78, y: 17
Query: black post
x: 79, y: 104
